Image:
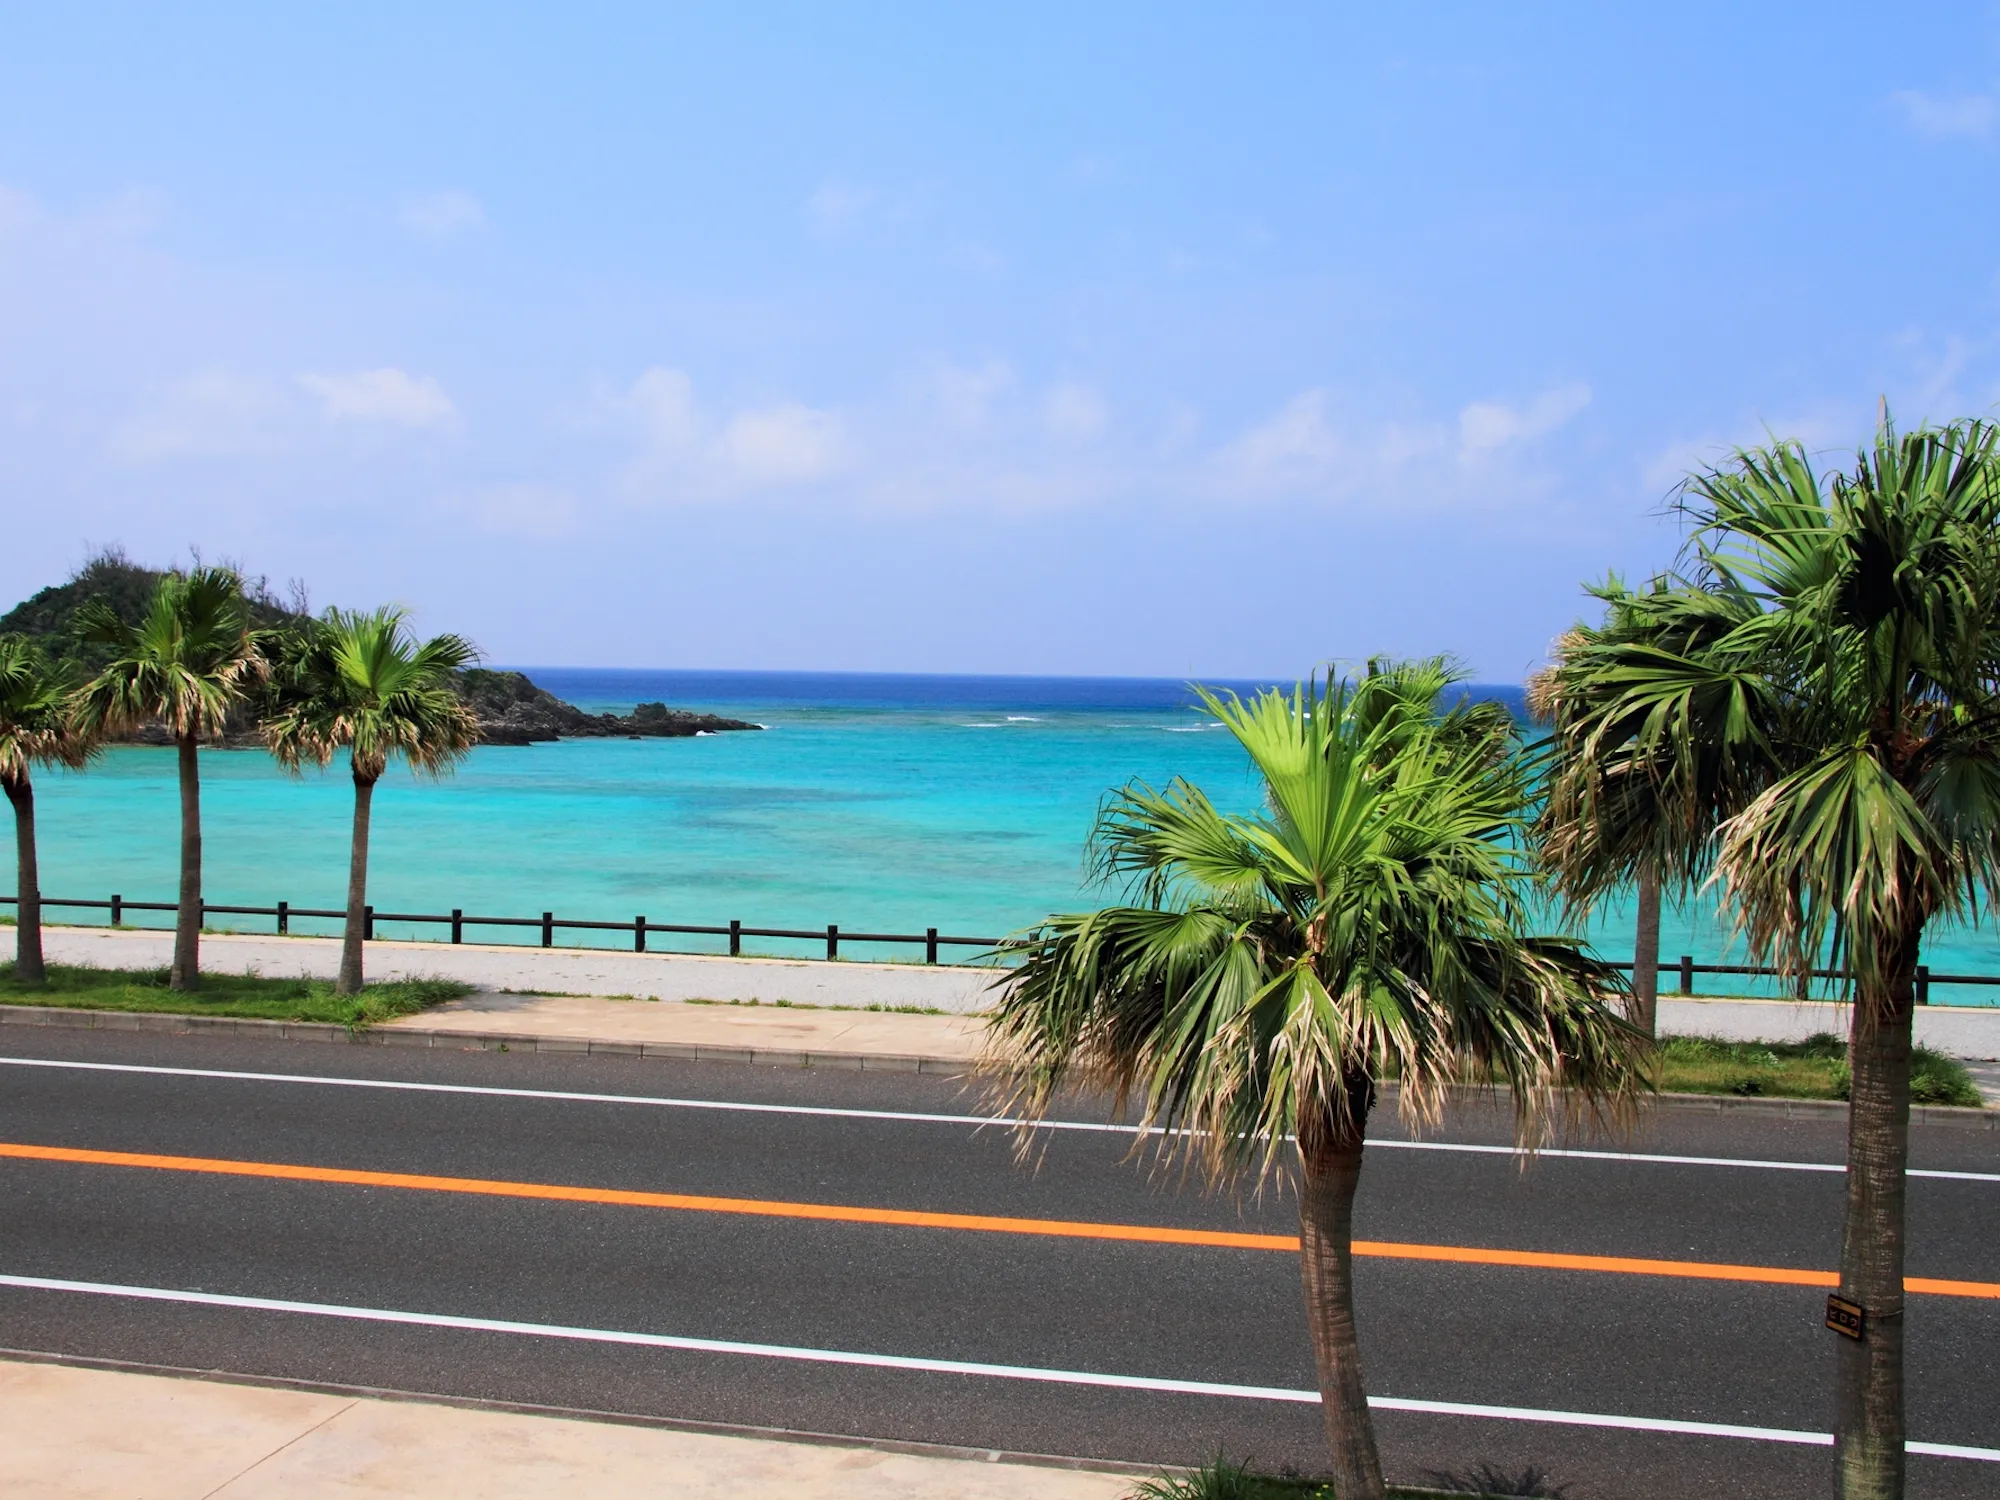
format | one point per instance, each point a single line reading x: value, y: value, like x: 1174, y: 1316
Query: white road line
x: 906, y: 1116
x: 959, y: 1366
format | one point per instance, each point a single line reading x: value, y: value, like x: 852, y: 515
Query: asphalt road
x: 1629, y: 1346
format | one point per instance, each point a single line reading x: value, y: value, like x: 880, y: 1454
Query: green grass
x: 1813, y: 1069
x: 244, y: 996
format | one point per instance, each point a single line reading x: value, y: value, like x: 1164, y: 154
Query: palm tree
x: 1273, y: 969
x: 36, y: 729
x: 363, y: 683
x: 1843, y: 699
x: 189, y: 661
x: 1616, y: 814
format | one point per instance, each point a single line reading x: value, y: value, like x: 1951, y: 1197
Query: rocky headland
x: 513, y: 711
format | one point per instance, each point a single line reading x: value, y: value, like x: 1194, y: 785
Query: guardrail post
x: 117, y: 910
x: 930, y: 945
x: 735, y: 938
x: 1687, y: 973
x: 284, y: 918
x: 367, y: 924
x: 548, y: 929
x: 832, y: 941
x: 1923, y: 984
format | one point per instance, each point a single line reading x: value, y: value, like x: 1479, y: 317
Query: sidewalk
x: 729, y: 1033
x: 70, y: 1433
x: 583, y: 1000
x: 554, y: 971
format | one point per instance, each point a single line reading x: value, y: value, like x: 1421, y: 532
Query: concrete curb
x: 325, y: 1031
x: 1987, y: 1118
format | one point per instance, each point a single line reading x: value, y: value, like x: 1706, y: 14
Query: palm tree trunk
x: 1330, y: 1171
x: 27, y: 884
x: 349, y: 982
x: 1868, y: 1397
x: 186, y: 972
x: 1646, y: 952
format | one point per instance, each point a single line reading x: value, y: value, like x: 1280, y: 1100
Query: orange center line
x: 987, y: 1223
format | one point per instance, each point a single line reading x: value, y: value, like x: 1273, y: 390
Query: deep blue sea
x: 878, y: 802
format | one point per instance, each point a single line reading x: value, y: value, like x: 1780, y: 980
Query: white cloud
x: 1295, y: 446
x: 538, y: 512
x: 212, y: 414
x: 964, y: 395
x: 1947, y: 114
x: 694, y: 454
x: 1361, y: 460
x: 1484, y: 426
x: 838, y: 207
x: 385, y: 395
x: 787, y: 444
x: 1073, y: 413
x: 442, y: 214
x: 662, y: 400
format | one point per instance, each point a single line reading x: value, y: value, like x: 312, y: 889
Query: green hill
x: 511, y: 709
x: 49, y: 617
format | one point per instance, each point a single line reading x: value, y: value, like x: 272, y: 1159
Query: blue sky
x: 1028, y: 338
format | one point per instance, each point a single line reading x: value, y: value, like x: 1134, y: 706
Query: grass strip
x: 1815, y: 1068
x: 239, y: 996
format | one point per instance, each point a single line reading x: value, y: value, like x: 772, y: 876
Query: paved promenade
x: 558, y: 971
x: 547, y: 984
x: 83, y: 1434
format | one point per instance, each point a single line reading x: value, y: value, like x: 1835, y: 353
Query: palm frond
x: 1370, y: 925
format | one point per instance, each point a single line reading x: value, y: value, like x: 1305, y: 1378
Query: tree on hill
x: 37, y: 728
x: 54, y: 619
x: 190, y: 659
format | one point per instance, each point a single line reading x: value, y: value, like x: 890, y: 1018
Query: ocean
x: 885, y: 803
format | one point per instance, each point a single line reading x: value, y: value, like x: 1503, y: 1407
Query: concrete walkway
x: 554, y: 971
x: 666, y: 1028
x: 1962, y: 1030
x: 80, y: 1434
x: 570, y: 999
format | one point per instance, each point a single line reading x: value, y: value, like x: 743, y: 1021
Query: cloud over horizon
x: 385, y: 395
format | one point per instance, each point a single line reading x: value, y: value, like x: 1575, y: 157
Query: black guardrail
x: 641, y: 928
x: 548, y: 924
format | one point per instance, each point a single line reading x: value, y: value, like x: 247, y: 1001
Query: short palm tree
x: 1838, y: 687
x: 1619, y: 811
x: 362, y: 683
x: 36, y: 729
x: 190, y: 660
x: 1371, y: 925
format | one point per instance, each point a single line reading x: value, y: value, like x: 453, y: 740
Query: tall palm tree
x: 36, y: 729
x: 363, y: 683
x: 1620, y: 810
x: 189, y: 661
x: 1843, y: 698
x: 1272, y: 969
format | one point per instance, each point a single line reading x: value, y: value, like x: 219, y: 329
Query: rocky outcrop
x: 513, y: 711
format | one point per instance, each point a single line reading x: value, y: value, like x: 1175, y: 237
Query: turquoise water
x: 879, y: 803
